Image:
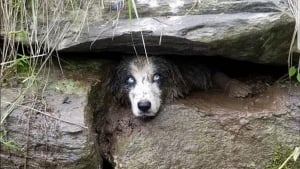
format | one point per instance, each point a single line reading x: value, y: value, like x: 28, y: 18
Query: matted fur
x: 174, y: 81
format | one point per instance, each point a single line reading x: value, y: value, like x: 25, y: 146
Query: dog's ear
x: 115, y: 86
x: 177, y: 85
x: 114, y: 83
x: 174, y: 84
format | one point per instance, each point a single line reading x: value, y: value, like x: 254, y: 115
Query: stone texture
x: 48, y: 126
x: 207, y: 130
x: 257, y: 31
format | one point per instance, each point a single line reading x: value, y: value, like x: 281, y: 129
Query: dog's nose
x: 144, y: 105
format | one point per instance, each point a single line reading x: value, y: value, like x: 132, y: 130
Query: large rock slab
x: 205, y: 130
x: 47, y: 124
x: 253, y: 30
x: 255, y: 37
x: 258, y: 31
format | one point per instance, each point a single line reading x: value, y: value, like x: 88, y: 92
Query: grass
x: 9, y: 145
x: 294, y: 155
x: 31, y: 32
x: 293, y: 70
x: 284, y: 158
x: 295, y: 13
x: 29, y: 42
x: 25, y: 53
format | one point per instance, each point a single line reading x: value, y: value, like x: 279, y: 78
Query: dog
x: 148, y: 82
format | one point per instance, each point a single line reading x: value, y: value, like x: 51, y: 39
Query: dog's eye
x: 130, y: 80
x: 156, y: 77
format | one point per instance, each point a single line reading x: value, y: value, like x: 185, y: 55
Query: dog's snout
x: 144, y: 105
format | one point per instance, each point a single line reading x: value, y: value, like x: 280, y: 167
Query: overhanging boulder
x: 256, y: 31
x: 259, y: 31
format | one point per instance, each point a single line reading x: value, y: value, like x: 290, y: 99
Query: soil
x: 233, y: 114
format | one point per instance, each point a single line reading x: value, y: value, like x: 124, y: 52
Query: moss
x: 280, y: 154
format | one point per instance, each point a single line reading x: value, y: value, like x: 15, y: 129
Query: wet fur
x: 178, y: 80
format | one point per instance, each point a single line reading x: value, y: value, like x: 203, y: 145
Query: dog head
x: 146, y: 83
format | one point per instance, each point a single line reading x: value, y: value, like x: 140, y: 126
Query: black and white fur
x: 146, y: 83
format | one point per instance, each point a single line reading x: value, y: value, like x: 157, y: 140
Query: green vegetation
x: 284, y: 158
x: 27, y: 54
x: 294, y: 156
x: 9, y: 145
x: 21, y: 65
x: 293, y: 70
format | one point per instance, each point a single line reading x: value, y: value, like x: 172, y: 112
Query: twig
x: 27, y: 141
x: 8, y: 62
x: 47, y: 114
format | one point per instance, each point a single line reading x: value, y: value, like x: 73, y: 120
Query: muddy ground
x: 206, y: 129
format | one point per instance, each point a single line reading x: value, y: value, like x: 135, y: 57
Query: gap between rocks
x: 110, y: 122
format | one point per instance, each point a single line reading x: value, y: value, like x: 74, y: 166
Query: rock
x: 260, y: 38
x: 49, y: 129
x: 205, y: 130
x: 258, y: 31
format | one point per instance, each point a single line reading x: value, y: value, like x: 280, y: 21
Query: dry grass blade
x: 12, y: 61
x: 298, y: 23
x: 34, y: 29
x: 45, y: 113
x: 294, y: 7
x: 132, y: 5
x: 11, y: 107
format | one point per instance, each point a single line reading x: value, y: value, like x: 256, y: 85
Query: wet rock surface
x: 259, y: 31
x: 75, y: 123
x: 263, y: 37
x: 48, y: 126
x: 206, y: 130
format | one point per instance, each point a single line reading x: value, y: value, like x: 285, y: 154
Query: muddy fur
x: 176, y: 80
x: 155, y: 81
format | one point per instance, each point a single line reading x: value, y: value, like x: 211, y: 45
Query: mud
x: 215, y: 102
x: 235, y: 118
x: 206, y: 129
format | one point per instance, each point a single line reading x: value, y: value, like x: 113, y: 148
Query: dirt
x: 215, y: 102
x: 242, y: 128
x: 234, y: 115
